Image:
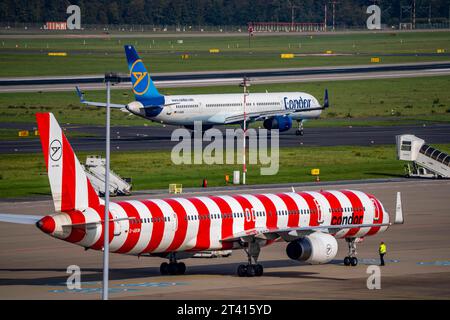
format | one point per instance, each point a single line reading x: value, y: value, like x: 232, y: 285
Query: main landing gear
x: 251, y: 269
x: 173, y: 267
x: 299, y: 131
x: 351, y: 259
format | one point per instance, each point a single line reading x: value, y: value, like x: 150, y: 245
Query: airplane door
x: 117, y: 228
x: 168, y: 110
x: 319, y: 212
x: 376, y: 209
x: 174, y: 222
x: 117, y: 224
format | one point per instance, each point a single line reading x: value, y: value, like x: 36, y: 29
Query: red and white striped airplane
x: 177, y: 228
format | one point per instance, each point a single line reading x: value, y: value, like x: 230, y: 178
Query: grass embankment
x: 368, y: 102
x: 13, y: 134
x: 24, y: 174
x: 28, y: 56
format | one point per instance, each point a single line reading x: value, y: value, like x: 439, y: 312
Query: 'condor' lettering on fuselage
x: 346, y: 220
x: 296, y: 104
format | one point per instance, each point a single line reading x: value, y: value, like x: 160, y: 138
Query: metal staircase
x: 95, y: 171
x: 426, y: 161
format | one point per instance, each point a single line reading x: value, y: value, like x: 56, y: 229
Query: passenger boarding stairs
x: 426, y: 161
x: 95, y: 170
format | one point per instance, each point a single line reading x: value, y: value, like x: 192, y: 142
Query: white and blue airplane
x: 277, y: 110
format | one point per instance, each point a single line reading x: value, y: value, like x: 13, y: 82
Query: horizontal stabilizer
x: 88, y: 224
x: 97, y: 104
x: 19, y: 218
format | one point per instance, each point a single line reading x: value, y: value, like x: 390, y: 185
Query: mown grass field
x: 25, y: 174
x: 367, y: 102
x: 28, y: 57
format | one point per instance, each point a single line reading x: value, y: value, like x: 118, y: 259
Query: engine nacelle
x: 316, y: 248
x: 136, y: 107
x: 278, y: 122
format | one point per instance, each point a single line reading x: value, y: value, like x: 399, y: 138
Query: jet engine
x: 316, y: 248
x: 279, y: 122
x: 136, y: 107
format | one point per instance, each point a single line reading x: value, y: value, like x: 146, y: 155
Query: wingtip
x: 326, y: 103
x: 79, y: 93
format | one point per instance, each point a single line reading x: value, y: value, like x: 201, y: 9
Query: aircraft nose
x: 46, y: 224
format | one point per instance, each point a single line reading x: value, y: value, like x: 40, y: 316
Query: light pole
x: 334, y: 15
x: 292, y: 14
x: 245, y: 83
x: 250, y: 34
x: 110, y: 78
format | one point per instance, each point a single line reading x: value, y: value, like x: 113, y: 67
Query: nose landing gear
x: 351, y: 259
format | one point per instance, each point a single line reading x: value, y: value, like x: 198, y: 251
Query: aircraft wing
x: 97, y: 104
x: 272, y: 233
x: 262, y: 115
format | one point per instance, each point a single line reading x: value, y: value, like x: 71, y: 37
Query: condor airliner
x: 276, y: 110
x: 177, y: 228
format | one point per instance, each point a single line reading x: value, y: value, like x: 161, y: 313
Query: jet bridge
x: 95, y: 170
x: 425, y: 161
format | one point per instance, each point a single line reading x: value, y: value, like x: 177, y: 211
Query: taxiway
x: 33, y: 265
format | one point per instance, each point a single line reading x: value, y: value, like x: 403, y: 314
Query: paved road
x: 194, y: 79
x: 33, y: 265
x: 159, y: 138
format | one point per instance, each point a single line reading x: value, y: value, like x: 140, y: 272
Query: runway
x: 33, y: 265
x: 216, y: 78
x: 159, y: 138
x: 119, y: 34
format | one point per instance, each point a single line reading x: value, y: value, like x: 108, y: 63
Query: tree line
x: 351, y: 13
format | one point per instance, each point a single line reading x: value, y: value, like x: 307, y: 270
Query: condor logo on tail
x: 139, y: 78
x: 55, y: 150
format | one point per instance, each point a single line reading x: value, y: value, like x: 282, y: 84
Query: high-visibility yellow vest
x: 382, y: 248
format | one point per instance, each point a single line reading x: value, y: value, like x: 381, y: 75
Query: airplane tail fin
x: 143, y: 87
x: 71, y: 189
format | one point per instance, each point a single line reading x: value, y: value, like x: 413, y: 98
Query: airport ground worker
x: 382, y: 251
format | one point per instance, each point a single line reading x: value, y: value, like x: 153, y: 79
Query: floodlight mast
x: 110, y: 78
x: 245, y: 83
